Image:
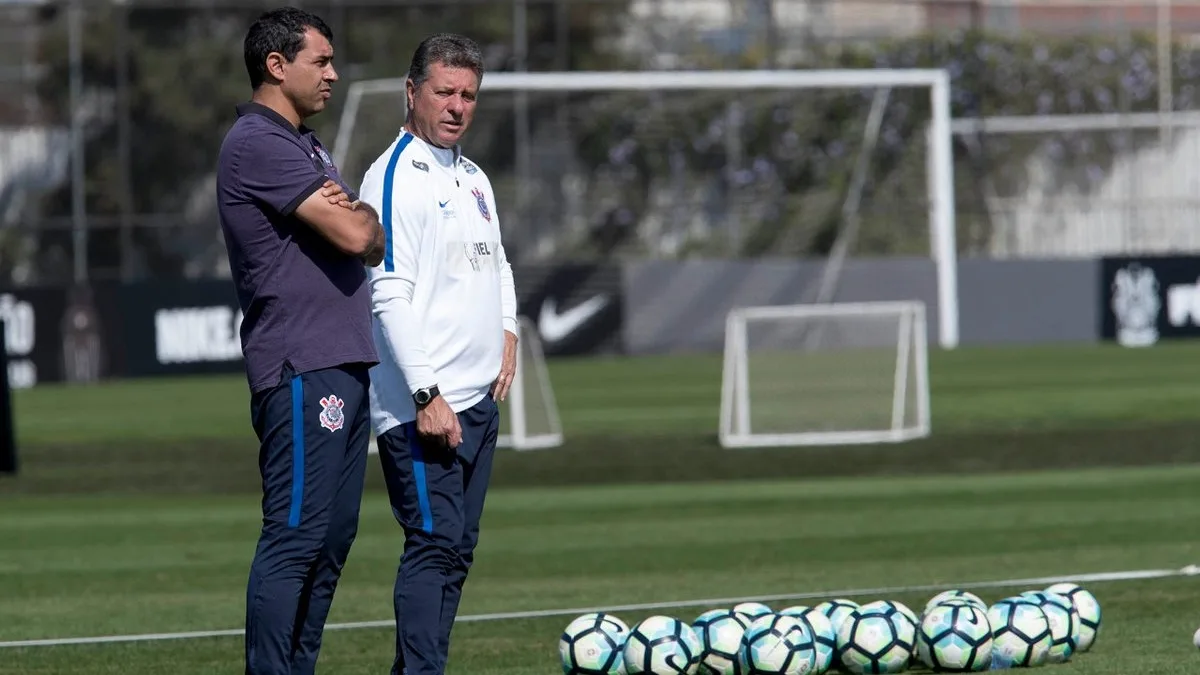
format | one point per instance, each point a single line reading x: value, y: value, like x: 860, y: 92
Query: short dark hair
x: 279, y: 30
x: 448, y: 49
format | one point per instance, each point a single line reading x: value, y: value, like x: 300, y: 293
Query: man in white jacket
x: 445, y: 325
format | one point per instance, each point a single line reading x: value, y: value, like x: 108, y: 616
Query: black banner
x: 184, y: 328
x: 1145, y: 299
x: 33, y: 319
x: 578, y: 309
x: 178, y: 328
x: 8, y: 436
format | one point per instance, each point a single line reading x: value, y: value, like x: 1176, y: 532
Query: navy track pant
x: 313, y: 429
x: 437, y: 497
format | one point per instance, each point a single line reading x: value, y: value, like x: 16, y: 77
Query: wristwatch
x: 424, y: 396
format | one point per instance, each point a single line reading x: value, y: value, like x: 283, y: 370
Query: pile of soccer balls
x: 957, y: 632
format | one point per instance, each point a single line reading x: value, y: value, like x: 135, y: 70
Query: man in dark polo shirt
x: 298, y: 240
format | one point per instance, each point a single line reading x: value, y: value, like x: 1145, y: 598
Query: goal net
x: 660, y: 164
x: 825, y: 375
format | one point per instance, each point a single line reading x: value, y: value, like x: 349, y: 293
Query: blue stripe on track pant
x: 437, y: 497
x: 313, y: 430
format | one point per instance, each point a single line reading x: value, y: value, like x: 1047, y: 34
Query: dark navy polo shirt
x: 305, y: 303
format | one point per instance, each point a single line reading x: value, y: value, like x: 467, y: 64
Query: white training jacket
x: 443, y: 295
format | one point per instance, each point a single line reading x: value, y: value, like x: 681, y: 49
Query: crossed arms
x: 352, y: 226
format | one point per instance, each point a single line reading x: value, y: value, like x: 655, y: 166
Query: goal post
x: 554, y: 88
x: 825, y: 374
x: 529, y: 418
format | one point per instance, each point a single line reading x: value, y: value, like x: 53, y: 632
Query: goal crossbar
x: 940, y: 165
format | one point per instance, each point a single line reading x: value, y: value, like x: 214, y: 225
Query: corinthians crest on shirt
x: 331, y: 413
x: 482, y: 202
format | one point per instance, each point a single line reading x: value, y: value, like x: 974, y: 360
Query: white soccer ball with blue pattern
x: 955, y: 639
x: 892, y: 604
x: 1088, y: 609
x: 956, y: 595
x: 662, y: 645
x: 752, y: 610
x: 824, y: 638
x: 875, y: 641
x: 1064, y: 624
x: 593, y: 644
x: 898, y: 607
x: 720, y: 632
x: 1020, y: 634
x: 836, y: 611
x: 777, y: 645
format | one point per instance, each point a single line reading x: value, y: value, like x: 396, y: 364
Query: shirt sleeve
x: 276, y: 171
x: 508, y: 293
x: 394, y: 280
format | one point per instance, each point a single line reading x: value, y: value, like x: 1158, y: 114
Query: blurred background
x: 152, y: 85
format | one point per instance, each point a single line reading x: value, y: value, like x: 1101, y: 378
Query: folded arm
x: 275, y: 171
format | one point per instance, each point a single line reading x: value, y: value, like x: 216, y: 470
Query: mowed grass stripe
x: 669, y: 541
x: 972, y: 388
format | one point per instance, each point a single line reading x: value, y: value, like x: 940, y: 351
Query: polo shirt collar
x: 255, y: 108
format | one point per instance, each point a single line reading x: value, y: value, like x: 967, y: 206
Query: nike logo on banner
x: 555, y: 326
x: 443, y: 204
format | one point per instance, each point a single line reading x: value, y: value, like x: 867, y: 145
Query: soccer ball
x: 1088, y: 609
x: 592, y: 644
x: 720, y: 632
x: 824, y: 638
x: 1064, y: 624
x: 875, y: 641
x: 898, y: 607
x: 956, y: 595
x: 794, y: 610
x: 662, y: 645
x: 777, y: 645
x: 752, y: 610
x: 955, y: 638
x: 1020, y: 634
x: 836, y: 611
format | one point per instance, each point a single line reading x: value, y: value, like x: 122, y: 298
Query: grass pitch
x: 136, y: 511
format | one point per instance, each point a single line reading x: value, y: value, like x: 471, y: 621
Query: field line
x: 1130, y: 575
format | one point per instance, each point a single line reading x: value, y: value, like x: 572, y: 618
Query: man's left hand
x: 508, y: 368
x: 336, y: 195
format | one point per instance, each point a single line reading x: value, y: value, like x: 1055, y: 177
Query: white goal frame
x: 735, y: 429
x: 939, y: 167
x: 518, y: 437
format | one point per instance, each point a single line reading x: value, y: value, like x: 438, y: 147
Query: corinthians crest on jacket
x: 331, y: 413
x: 482, y: 202
x: 1136, y: 303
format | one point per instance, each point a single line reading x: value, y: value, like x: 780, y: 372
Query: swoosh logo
x: 443, y: 204
x: 555, y: 326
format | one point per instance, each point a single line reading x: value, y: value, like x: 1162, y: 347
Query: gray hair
x: 448, y: 49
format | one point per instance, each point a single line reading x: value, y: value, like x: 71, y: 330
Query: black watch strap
x: 422, y: 397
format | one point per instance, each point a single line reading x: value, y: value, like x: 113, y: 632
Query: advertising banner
x: 32, y: 319
x: 1144, y: 299
x: 178, y: 328
x: 578, y: 308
